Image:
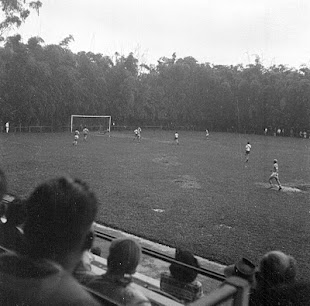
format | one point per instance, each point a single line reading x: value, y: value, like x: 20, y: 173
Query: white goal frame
x: 90, y: 116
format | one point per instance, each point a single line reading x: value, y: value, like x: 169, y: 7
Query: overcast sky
x: 216, y: 31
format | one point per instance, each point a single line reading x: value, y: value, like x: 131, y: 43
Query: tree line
x: 44, y: 84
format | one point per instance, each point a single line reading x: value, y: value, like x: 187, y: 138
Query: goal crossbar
x: 89, y: 116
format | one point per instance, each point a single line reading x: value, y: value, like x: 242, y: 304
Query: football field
x: 199, y: 195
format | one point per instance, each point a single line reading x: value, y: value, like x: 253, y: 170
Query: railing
x: 166, y: 258
x: 233, y: 288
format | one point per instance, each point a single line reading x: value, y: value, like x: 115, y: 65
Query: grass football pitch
x: 199, y: 195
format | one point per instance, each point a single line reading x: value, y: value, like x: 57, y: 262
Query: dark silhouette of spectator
x: 57, y: 230
x: 181, y: 281
x: 292, y: 294
x: 244, y: 268
x: 12, y: 217
x: 276, y: 270
x: 96, y: 251
x: 3, y: 184
x: 116, y: 283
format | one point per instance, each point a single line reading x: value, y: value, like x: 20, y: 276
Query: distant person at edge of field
x: 57, y: 230
x: 181, y: 281
x: 176, y: 137
x: 207, y: 134
x: 247, y: 151
x: 7, y: 127
x: 85, y: 133
x: 266, y: 131
x: 276, y: 271
x: 116, y: 284
x: 76, y: 137
x: 275, y: 174
x: 278, y: 131
x: 305, y: 134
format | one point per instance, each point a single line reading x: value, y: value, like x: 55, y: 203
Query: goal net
x: 99, y: 124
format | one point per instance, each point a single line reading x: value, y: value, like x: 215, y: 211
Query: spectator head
x: 184, y: 274
x: 96, y: 251
x: 277, y: 268
x: 124, y: 256
x: 60, y: 214
x: 3, y: 184
x: 244, y: 268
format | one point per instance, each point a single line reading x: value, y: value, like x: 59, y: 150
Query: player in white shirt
x: 136, y: 134
x: 247, y: 151
x: 76, y: 137
x: 176, y: 137
x: 7, y: 126
x: 207, y: 134
x: 275, y: 174
x: 266, y: 131
x: 139, y: 133
x: 85, y: 133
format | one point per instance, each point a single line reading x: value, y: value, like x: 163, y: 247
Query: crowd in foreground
x: 49, y: 237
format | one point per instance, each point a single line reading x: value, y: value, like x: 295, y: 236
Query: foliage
x: 15, y: 13
x: 46, y: 84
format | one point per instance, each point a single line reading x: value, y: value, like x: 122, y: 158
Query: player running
x: 139, y: 133
x: 176, y: 137
x: 136, y: 134
x: 275, y: 174
x: 85, y: 133
x: 207, y: 134
x: 76, y: 137
x: 247, y: 151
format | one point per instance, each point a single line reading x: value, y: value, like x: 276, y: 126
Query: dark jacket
x: 24, y: 281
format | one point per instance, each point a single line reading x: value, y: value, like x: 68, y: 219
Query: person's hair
x: 277, y: 268
x: 96, y: 250
x: 59, y: 215
x: 3, y: 184
x: 184, y: 274
x: 124, y: 256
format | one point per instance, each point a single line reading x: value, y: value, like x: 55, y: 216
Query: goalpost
x: 100, y: 124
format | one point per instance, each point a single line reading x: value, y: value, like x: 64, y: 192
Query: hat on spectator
x: 244, y: 268
x: 124, y: 256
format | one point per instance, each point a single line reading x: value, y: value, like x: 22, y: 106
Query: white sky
x: 216, y: 31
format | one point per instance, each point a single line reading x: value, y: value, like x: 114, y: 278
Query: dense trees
x: 44, y: 84
x: 15, y: 13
